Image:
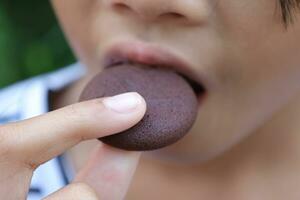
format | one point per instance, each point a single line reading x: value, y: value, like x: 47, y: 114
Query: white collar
x: 29, y: 98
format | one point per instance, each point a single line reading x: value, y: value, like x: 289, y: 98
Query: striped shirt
x: 27, y: 99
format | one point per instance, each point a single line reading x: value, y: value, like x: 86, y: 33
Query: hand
x: 27, y: 144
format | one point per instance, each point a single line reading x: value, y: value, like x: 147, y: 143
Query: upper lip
x: 148, y: 54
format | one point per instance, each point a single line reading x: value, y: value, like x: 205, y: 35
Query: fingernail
x: 122, y: 103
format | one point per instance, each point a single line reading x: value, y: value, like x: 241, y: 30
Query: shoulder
x: 14, y: 98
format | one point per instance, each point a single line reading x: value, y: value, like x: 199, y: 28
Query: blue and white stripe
x: 28, y: 99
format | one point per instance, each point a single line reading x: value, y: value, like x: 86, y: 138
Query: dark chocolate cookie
x: 171, y: 104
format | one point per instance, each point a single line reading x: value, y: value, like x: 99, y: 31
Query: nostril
x: 173, y: 15
x: 121, y: 7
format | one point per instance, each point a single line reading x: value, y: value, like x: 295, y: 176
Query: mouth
x: 153, y: 56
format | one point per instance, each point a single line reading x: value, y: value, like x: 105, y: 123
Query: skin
x: 248, y: 63
x: 246, y: 136
x: 245, y: 60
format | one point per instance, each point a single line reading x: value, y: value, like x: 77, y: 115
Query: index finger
x: 39, y: 139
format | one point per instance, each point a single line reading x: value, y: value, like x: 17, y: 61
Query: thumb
x: 109, y: 171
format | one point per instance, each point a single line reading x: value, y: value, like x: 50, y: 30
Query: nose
x: 191, y: 11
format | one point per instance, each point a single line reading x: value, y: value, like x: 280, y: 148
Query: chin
x: 181, y: 156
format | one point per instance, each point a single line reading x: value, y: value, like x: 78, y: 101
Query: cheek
x: 231, y: 114
x: 76, y: 18
x: 262, y: 73
x: 259, y: 76
x: 249, y: 17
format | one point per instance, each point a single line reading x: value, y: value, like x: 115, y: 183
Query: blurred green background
x: 31, y: 41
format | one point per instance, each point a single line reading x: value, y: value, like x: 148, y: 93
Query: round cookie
x: 171, y: 104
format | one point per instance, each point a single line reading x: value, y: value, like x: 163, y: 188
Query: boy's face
x: 247, y: 62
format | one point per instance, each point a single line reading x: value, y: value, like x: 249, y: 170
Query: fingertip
x: 125, y: 103
x: 109, y: 115
x: 142, y: 106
